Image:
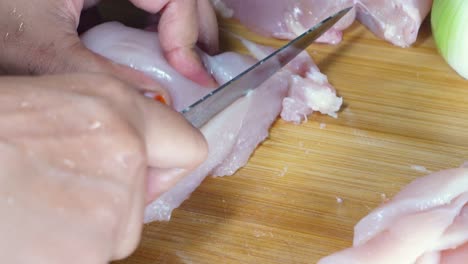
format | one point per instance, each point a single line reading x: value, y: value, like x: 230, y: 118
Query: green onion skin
x: 449, y: 22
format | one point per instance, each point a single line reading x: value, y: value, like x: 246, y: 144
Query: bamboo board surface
x: 405, y: 111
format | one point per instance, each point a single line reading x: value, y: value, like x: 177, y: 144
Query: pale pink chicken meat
x: 289, y: 18
x: 427, y: 222
x: 234, y: 133
x: 397, y: 21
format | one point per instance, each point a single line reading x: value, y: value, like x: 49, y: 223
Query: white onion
x: 449, y: 20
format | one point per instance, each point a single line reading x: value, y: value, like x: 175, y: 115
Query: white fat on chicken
x: 233, y: 134
x: 426, y: 222
x: 309, y: 89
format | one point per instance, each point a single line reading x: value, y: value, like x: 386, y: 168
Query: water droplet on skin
x: 24, y: 104
x: 95, y: 125
x: 7, y: 35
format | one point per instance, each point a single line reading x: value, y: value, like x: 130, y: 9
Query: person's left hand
x: 40, y: 37
x: 78, y: 163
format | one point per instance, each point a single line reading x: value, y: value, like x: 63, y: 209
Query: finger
x: 174, y: 147
x: 208, y: 27
x: 151, y: 6
x: 205, y: 18
x: 171, y: 141
x: 178, y: 34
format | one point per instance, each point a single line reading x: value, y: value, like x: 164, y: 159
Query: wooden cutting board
x: 303, y: 190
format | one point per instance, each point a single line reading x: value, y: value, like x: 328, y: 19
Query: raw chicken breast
x: 396, y: 21
x: 287, y: 19
x: 427, y: 222
x: 234, y: 133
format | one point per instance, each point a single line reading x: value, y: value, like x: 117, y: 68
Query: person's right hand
x: 75, y: 152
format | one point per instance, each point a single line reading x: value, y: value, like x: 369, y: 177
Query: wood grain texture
x: 403, y: 107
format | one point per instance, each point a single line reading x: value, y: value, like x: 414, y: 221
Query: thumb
x: 174, y: 147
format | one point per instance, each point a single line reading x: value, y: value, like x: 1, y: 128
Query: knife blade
x: 210, y: 105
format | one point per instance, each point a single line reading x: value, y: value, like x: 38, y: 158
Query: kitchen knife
x: 210, y: 105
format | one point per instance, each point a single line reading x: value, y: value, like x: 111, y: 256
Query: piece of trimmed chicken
x: 397, y: 21
x: 425, y: 223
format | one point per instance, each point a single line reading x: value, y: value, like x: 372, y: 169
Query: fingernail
x: 203, y: 77
x: 210, y: 82
x: 189, y: 64
x: 206, y: 81
x: 203, y: 59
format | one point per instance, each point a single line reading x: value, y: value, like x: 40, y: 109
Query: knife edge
x: 200, y: 112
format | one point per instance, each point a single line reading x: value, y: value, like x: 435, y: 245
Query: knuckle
x: 121, y: 135
x: 109, y: 211
x: 115, y: 111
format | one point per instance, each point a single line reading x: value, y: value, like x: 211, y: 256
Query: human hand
x: 41, y: 37
x: 74, y: 155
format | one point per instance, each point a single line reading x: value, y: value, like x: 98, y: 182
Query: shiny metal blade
x: 210, y: 105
